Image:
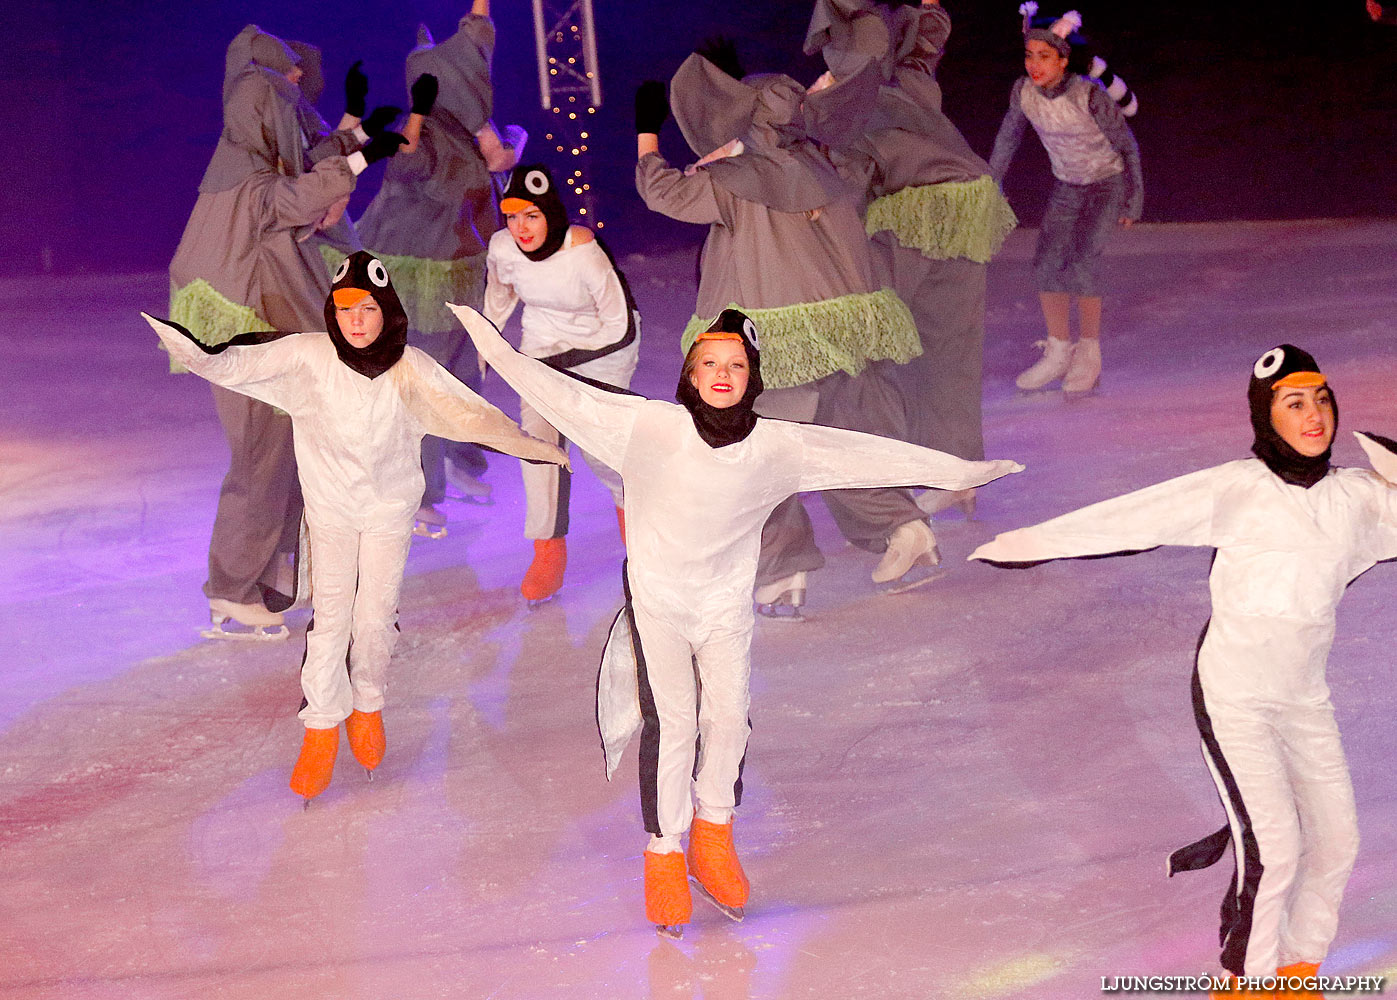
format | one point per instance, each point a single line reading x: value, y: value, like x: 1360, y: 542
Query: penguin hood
x: 532, y: 184
x: 778, y: 166
x: 261, y: 117
x: 361, y: 274
x: 461, y: 65
x: 720, y: 426
x: 1278, y: 368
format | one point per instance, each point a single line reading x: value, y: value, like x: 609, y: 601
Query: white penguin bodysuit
x: 575, y: 310
x: 1284, y: 556
x: 694, y: 517
x: 358, y: 445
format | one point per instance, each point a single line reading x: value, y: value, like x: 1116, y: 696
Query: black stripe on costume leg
x: 649, y: 726
x: 563, y: 499
x: 1236, y: 913
x: 737, y: 785
x: 310, y: 627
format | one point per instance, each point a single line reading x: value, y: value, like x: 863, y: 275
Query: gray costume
x: 786, y: 246
x: 935, y: 215
x: 433, y: 217
x: 1096, y: 167
x: 246, y: 263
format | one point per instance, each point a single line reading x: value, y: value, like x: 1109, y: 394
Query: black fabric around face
x: 532, y: 182
x: 719, y: 427
x: 360, y: 270
x: 1270, y: 447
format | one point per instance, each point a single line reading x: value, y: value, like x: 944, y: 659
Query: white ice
x: 963, y: 791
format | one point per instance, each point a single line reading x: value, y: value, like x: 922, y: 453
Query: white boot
x: 1057, y: 355
x: 782, y: 599
x: 1085, y: 370
x: 910, y: 544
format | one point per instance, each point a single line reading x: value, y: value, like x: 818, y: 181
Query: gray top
x: 436, y: 203
x: 1082, y: 129
x: 756, y: 256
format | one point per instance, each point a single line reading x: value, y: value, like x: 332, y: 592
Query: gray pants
x: 941, y: 390
x: 454, y: 351
x: 257, y: 526
x: 1076, y: 223
x: 868, y: 403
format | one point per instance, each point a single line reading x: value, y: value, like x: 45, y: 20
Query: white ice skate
x: 911, y: 546
x: 1084, y: 373
x: 466, y: 488
x: 430, y: 523
x: 254, y: 622
x: 1057, y: 355
x: 782, y: 600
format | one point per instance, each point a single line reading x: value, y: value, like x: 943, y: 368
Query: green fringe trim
x: 809, y: 340
x: 424, y: 286
x: 212, y: 318
x: 955, y: 219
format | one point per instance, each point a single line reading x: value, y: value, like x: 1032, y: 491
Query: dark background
x: 1248, y: 111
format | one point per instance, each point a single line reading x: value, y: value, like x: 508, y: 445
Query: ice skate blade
x: 917, y: 576
x: 537, y: 603
x: 369, y: 772
x: 305, y: 805
x: 1082, y: 393
x: 485, y: 500
x: 255, y: 633
x: 429, y: 530
x: 789, y: 614
x: 671, y: 932
x: 734, y: 913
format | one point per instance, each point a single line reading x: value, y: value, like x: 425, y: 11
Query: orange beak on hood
x: 348, y: 298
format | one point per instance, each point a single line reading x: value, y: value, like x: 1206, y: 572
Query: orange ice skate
x: 366, y: 739
x: 1299, y: 970
x: 714, y: 866
x: 316, y: 764
x: 668, y: 904
x: 545, y: 574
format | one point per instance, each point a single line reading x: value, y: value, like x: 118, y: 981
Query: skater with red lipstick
x: 1097, y: 185
x: 1290, y: 533
x: 360, y: 400
x: 701, y: 478
x: 578, y: 316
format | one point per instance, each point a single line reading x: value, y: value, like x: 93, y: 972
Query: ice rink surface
x: 965, y: 791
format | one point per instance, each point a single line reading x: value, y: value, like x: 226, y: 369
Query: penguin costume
x: 578, y: 316
x: 1290, y: 533
x: 360, y: 402
x: 700, y: 478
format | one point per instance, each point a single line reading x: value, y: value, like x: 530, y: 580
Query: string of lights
x: 570, y: 89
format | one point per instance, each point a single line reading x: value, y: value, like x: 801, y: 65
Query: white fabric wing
x: 618, y: 692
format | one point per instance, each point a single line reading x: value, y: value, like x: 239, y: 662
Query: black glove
x: 356, y: 90
x: 651, y: 107
x: 382, y: 146
x: 721, y: 51
x: 424, y: 94
x: 379, y: 119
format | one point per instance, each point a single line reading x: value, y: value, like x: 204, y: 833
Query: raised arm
x: 1011, y: 131
x: 669, y: 191
x: 599, y: 421
x: 263, y: 366
x: 833, y: 458
x: 1176, y: 512
x: 448, y: 409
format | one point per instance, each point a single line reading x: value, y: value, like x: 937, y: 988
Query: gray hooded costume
x: 786, y: 246
x: 433, y: 217
x: 935, y: 215
x: 246, y: 263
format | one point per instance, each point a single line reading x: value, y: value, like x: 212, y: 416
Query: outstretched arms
x: 265, y: 370
x: 1176, y: 512
x: 833, y: 458
x: 599, y: 421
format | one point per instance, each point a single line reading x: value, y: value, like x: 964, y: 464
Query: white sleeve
x: 447, y: 408
x: 604, y: 286
x: 500, y: 299
x: 833, y: 458
x: 267, y: 372
x: 1384, y: 462
x: 599, y: 421
x: 1176, y: 512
